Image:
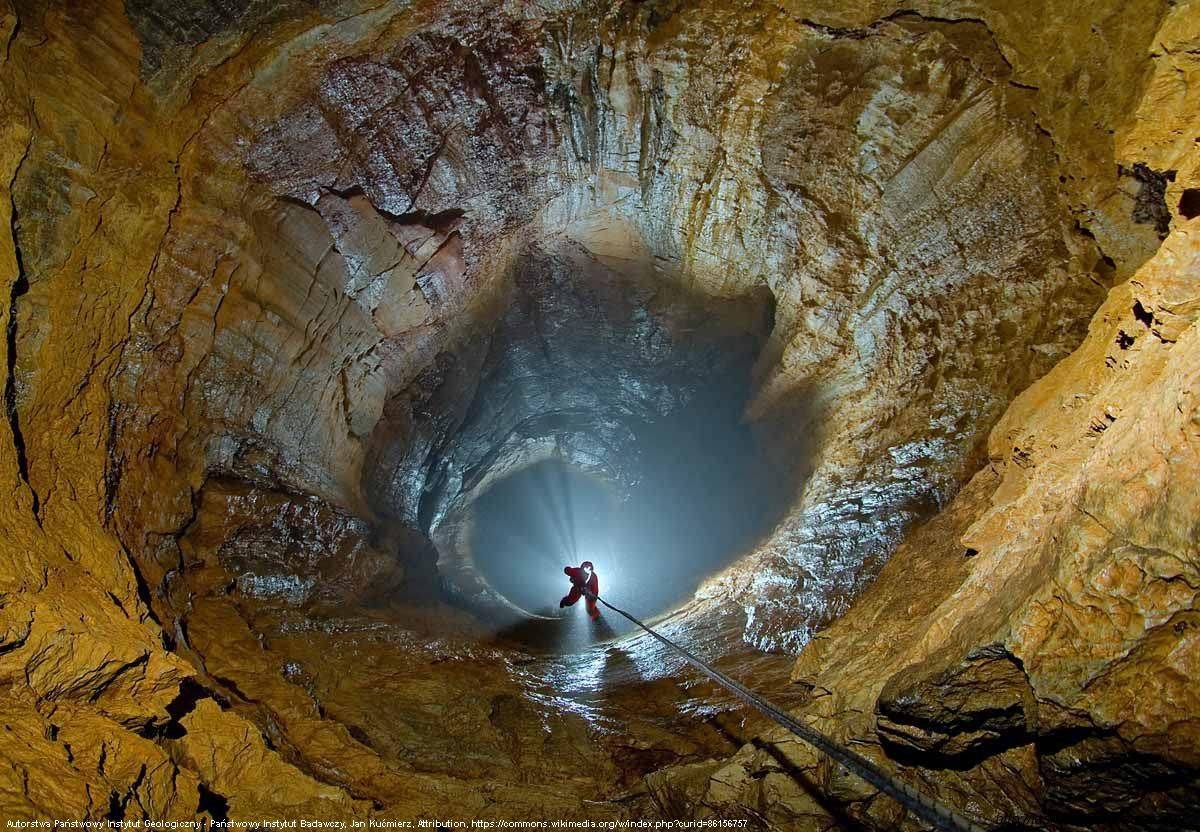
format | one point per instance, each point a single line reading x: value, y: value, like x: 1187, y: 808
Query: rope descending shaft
x: 931, y: 811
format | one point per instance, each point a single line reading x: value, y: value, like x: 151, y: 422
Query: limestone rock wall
x: 1041, y: 623
x: 234, y: 240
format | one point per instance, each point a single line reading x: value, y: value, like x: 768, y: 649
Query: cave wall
x: 455, y: 137
x: 601, y: 134
x: 223, y: 263
x: 76, y: 634
x: 1043, y: 623
x: 1027, y: 653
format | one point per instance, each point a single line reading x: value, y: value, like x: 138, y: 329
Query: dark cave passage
x: 606, y: 423
x: 534, y: 522
x: 704, y: 494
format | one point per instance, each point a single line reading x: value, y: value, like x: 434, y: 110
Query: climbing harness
x: 925, y: 807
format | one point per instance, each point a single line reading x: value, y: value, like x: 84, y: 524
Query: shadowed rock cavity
x: 610, y: 371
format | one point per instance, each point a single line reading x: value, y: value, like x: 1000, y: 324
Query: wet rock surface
x: 613, y: 375
x: 272, y: 271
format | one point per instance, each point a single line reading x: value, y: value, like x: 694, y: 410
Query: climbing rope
x: 931, y: 811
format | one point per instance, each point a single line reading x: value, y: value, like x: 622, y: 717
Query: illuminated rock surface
x: 291, y: 284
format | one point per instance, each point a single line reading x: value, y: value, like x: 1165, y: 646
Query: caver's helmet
x: 587, y: 564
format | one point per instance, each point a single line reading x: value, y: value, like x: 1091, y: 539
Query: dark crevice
x: 358, y: 734
x: 1107, y: 266
x: 1054, y: 741
x: 191, y: 692
x: 118, y: 804
x: 1150, y: 203
x: 234, y: 689
x: 140, y: 661
x: 12, y: 37
x: 215, y: 805
x: 1144, y: 315
x: 116, y: 809
x: 341, y: 193
x: 441, y: 221
x: 1189, y: 203
x: 979, y: 751
x: 143, y: 589
x: 117, y: 602
x: 20, y: 286
x: 112, y: 467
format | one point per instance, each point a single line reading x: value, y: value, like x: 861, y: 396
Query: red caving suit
x: 577, y: 575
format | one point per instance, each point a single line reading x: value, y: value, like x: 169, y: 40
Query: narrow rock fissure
x: 19, y: 287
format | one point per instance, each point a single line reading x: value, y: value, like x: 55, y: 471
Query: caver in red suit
x: 582, y: 576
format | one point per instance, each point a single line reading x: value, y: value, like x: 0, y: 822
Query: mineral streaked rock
x: 296, y: 549
x: 230, y: 754
x: 74, y: 763
x: 1052, y: 629
x: 917, y: 169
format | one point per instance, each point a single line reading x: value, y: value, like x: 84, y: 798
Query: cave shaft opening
x: 607, y: 424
